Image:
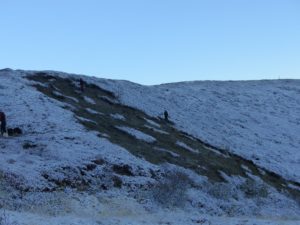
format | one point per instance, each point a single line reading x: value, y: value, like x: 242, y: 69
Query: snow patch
x: 137, y: 134
x: 118, y: 116
x: 89, y: 100
x: 152, y: 123
x: 156, y: 130
x: 183, y: 145
x: 93, y: 111
x: 168, y: 151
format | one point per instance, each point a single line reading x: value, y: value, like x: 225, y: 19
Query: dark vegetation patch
x: 69, y: 138
x: 90, y: 167
x: 203, y: 160
x: 74, y: 177
x: 117, y: 182
x: 123, y: 170
x: 98, y: 161
x: 29, y: 145
x: 14, y: 131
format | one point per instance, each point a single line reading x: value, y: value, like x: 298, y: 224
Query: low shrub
x: 223, y: 191
x: 171, y: 190
x: 254, y: 189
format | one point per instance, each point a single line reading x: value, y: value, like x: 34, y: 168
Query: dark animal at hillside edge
x: 14, y: 131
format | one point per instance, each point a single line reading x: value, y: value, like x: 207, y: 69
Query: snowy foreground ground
x: 257, y: 120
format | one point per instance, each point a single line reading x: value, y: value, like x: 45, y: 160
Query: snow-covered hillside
x: 52, y: 137
x: 259, y: 120
x: 104, y: 157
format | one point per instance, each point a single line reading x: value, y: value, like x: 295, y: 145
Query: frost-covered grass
x: 5, y: 218
x: 67, y: 174
x: 57, y: 137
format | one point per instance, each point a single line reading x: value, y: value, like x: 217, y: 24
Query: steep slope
x: 85, y: 148
x: 148, y: 137
x: 258, y: 120
x: 52, y: 138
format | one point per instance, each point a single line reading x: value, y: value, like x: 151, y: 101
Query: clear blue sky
x: 153, y: 41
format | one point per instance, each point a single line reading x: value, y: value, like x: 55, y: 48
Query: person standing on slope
x: 3, y: 122
x: 166, y: 115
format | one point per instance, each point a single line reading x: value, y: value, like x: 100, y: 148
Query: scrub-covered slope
x: 103, y: 154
